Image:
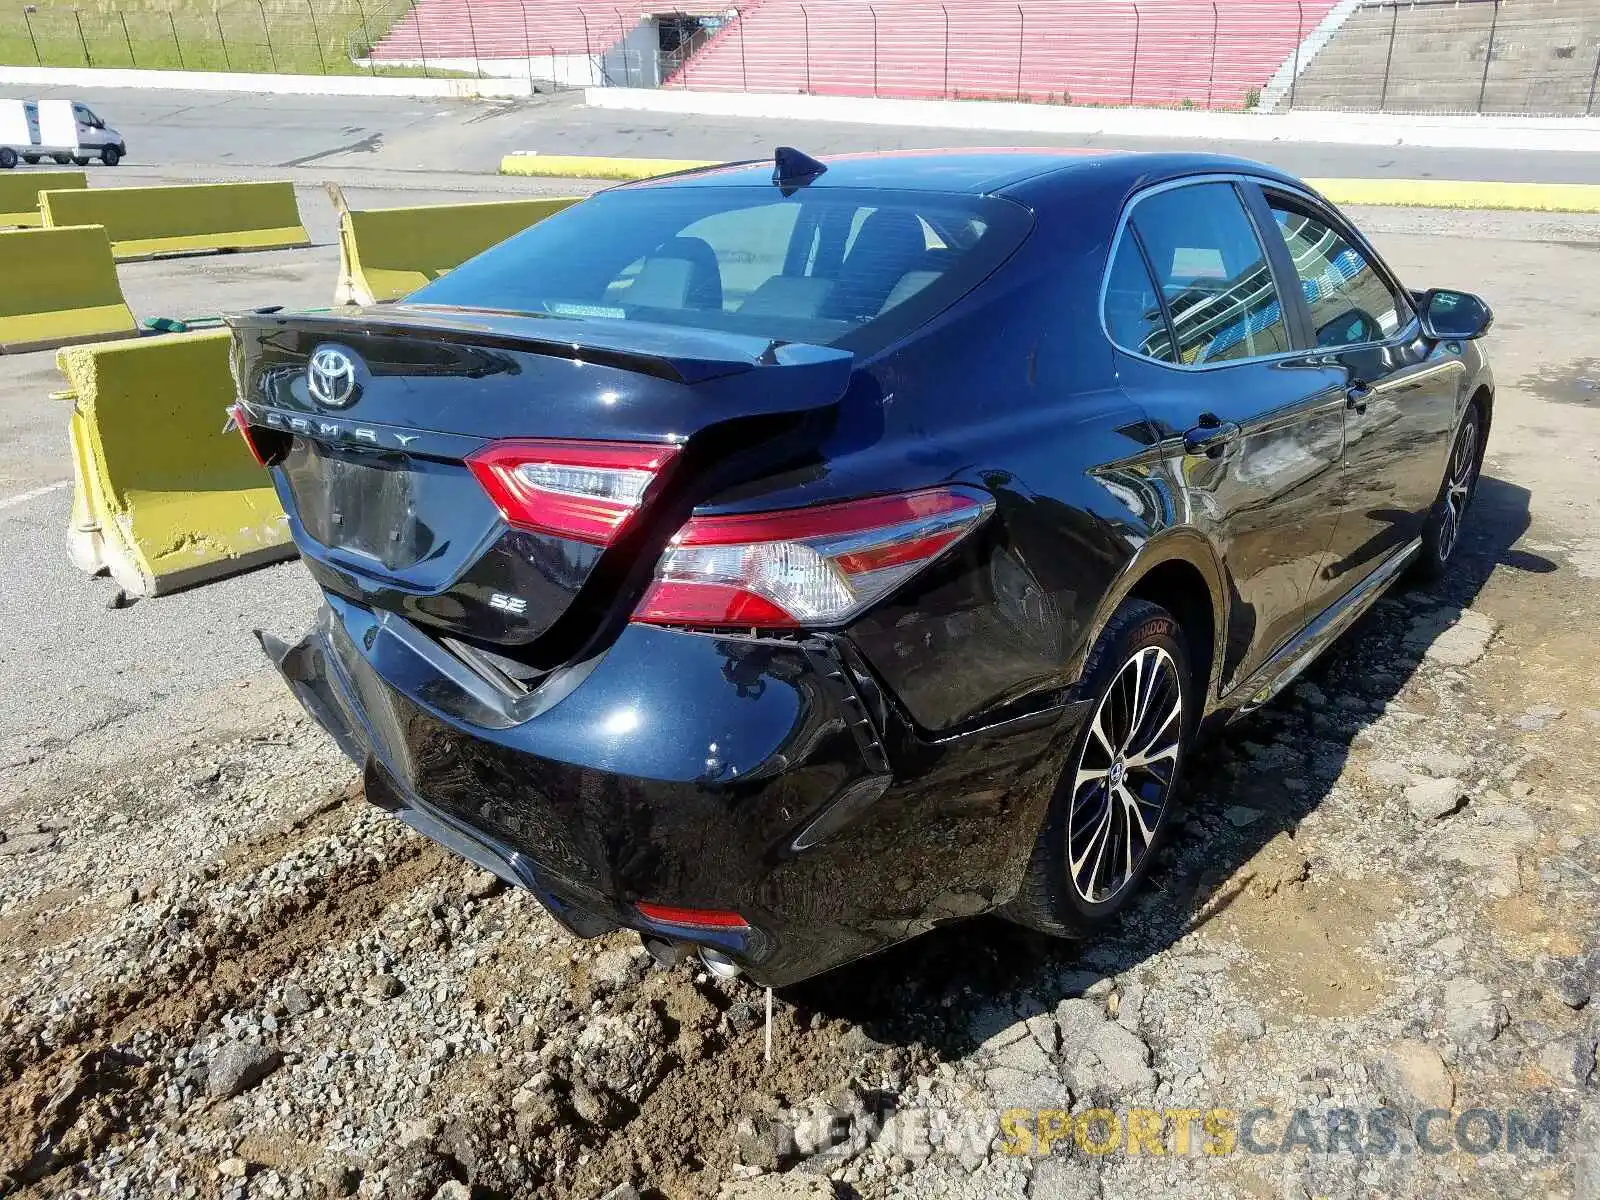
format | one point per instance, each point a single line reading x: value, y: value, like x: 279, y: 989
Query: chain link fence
x: 302, y: 37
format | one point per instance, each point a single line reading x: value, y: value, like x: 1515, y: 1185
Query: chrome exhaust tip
x: 719, y: 964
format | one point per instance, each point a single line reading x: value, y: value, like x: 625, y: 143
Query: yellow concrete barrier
x: 147, y: 222
x: 1410, y: 193
x: 59, y: 286
x: 585, y: 166
x: 1449, y: 193
x: 386, y: 253
x: 163, y: 498
x: 19, y: 193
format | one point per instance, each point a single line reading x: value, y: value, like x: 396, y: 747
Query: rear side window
x: 1212, y: 273
x: 1350, y: 302
x: 1133, y: 310
x: 836, y: 266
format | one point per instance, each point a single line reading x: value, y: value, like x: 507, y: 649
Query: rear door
x: 1399, y: 390
x: 1253, y: 427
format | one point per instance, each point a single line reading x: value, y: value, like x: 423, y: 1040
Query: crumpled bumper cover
x: 692, y: 770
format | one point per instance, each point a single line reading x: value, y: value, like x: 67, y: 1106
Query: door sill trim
x: 1284, y: 667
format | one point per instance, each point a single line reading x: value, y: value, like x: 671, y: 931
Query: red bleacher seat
x: 1162, y: 52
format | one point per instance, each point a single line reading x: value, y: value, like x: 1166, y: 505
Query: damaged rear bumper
x: 765, y: 778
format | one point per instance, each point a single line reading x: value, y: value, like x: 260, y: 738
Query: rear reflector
x: 581, y: 490
x: 692, y: 918
x: 806, y: 566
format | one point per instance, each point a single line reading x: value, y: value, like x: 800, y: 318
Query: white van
x: 64, y: 130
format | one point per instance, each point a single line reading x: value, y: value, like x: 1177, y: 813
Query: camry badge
x: 331, y: 377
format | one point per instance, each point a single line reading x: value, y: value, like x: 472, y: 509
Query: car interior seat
x: 681, y: 272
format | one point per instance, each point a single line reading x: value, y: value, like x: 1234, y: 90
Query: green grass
x: 302, y: 37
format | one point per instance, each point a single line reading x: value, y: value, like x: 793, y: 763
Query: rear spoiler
x: 669, y: 352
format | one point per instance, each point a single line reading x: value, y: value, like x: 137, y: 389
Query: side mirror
x: 1448, y: 315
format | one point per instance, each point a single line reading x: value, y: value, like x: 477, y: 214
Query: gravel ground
x: 223, y: 974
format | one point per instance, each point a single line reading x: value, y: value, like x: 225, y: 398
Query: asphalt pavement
x: 72, y: 664
x: 418, y: 137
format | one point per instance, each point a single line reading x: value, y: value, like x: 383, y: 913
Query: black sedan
x: 782, y: 559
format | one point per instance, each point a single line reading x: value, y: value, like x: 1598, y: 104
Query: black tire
x: 81, y: 160
x: 111, y: 156
x: 62, y: 159
x: 1054, y: 896
x: 1441, y: 536
x: 8, y: 158
x: 31, y: 159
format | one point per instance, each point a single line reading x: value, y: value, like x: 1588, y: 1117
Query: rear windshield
x: 834, y: 266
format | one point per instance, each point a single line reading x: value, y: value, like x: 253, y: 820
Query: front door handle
x: 1356, y: 397
x: 1210, y: 438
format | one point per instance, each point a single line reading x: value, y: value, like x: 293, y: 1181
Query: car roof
x: 997, y: 170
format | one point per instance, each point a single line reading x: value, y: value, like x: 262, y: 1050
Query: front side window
x: 1213, y: 274
x: 834, y: 266
x: 1350, y: 302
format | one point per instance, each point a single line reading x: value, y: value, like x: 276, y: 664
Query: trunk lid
x: 374, y: 413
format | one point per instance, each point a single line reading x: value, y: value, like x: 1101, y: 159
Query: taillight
x: 805, y: 566
x: 581, y: 490
x: 267, y: 446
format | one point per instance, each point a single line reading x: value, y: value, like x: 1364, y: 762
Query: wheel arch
x: 1483, y: 397
x: 1181, y: 572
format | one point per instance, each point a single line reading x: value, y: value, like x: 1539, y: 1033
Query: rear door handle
x: 1210, y: 438
x: 1356, y: 397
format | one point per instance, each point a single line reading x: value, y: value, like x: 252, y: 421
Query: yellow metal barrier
x: 146, y: 222
x: 386, y: 253
x: 19, y: 193
x: 162, y: 497
x: 59, y: 286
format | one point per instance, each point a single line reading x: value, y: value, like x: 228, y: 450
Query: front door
x: 89, y: 127
x: 1253, y: 427
x: 1400, y: 393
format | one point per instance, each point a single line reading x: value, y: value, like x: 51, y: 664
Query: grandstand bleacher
x: 1519, y: 56
x: 1161, y: 52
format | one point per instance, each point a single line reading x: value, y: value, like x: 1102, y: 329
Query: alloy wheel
x: 1458, y: 487
x: 1124, y: 775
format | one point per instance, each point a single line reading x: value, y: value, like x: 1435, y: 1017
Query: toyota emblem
x: 331, y: 377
